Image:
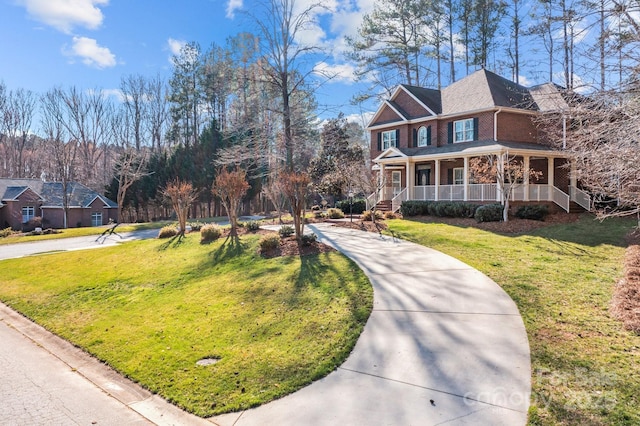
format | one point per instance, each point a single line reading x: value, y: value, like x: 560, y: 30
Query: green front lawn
x: 152, y: 309
x: 585, y: 366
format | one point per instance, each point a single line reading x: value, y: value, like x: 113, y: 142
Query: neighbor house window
x: 96, y: 219
x: 389, y: 139
x: 422, y: 136
x: 463, y: 130
x: 458, y: 176
x: 28, y: 213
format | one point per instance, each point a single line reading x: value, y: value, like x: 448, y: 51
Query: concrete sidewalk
x: 444, y: 345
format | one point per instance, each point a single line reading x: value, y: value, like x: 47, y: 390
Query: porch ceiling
x: 469, y: 149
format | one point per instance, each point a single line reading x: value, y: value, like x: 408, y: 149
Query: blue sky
x: 93, y: 43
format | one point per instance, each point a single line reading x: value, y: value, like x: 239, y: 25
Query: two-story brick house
x: 423, y: 139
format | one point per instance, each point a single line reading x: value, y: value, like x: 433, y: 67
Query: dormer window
x: 463, y: 130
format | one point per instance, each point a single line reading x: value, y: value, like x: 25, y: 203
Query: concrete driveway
x: 443, y: 345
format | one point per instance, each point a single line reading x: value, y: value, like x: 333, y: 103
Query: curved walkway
x: 444, y: 345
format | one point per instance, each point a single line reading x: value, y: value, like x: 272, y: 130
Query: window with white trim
x: 96, y: 219
x: 463, y: 130
x: 458, y: 176
x: 28, y: 213
x: 389, y: 139
x: 422, y: 136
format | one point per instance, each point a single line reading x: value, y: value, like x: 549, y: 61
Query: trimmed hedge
x: 359, y: 205
x: 438, y: 208
x: 489, y: 213
x: 535, y: 212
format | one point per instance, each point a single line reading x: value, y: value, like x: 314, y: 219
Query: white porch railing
x: 580, y: 197
x: 396, y: 201
x: 370, y: 201
x: 424, y: 193
x: 486, y: 192
x: 561, y: 198
x: 482, y: 192
x: 539, y: 193
x: 451, y: 192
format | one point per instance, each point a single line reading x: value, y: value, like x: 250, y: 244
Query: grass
x: 152, y: 309
x: 585, y: 366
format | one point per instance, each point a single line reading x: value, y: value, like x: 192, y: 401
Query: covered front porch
x: 448, y: 177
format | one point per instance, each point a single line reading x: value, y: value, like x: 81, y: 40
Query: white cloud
x: 232, y: 6
x: 337, y: 73
x: 64, y: 15
x: 115, y: 93
x: 91, y: 53
x: 175, y: 45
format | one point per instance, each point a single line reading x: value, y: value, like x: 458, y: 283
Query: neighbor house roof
x: 51, y: 192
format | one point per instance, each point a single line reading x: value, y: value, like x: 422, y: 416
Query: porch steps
x: 575, y: 208
x: 384, y: 206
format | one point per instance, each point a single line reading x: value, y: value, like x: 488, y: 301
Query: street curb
x: 152, y: 407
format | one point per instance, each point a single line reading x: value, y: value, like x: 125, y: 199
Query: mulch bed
x: 626, y: 299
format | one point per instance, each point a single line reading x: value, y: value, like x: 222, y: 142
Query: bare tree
x: 157, y: 110
x: 87, y: 121
x: 63, y: 148
x: 295, y: 187
x: 231, y: 186
x: 181, y: 194
x: 134, y: 93
x: 506, y: 170
x: 281, y: 25
x: 129, y: 168
x: 273, y: 191
x: 15, y: 125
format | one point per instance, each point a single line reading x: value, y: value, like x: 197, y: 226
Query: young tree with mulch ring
x: 295, y: 187
x: 231, y: 187
x: 181, y: 194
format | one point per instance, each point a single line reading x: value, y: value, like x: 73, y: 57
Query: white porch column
x: 465, y: 180
x: 410, y: 179
x: 499, y: 185
x: 382, y: 183
x: 437, y: 179
x: 550, y: 176
x: 526, y: 177
x: 573, y: 178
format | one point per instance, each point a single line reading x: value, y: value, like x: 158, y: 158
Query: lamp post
x: 351, y: 205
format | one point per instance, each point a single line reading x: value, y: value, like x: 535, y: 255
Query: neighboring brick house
x: 22, y: 200
x: 422, y: 141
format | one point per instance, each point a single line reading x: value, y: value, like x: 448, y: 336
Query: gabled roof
x: 483, y: 90
x: 430, y: 98
x: 550, y: 97
x: 51, y: 192
x: 392, y: 152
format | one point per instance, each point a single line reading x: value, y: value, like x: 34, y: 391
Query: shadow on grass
x: 230, y: 248
x: 172, y: 242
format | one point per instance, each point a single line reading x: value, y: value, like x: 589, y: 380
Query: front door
x: 396, y: 182
x: 423, y: 177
